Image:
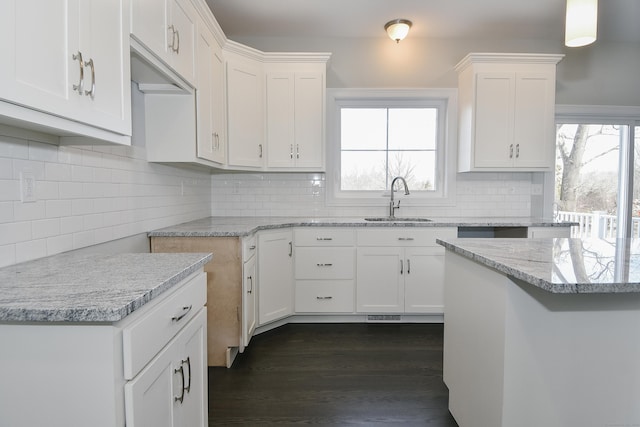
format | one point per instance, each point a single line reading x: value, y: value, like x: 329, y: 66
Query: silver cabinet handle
x: 91, y: 65
x: 408, y: 266
x: 173, y: 37
x: 324, y: 298
x: 185, y: 310
x: 405, y: 239
x: 217, y: 141
x: 290, y: 249
x: 260, y: 150
x: 401, y: 267
x: 297, y: 151
x: 188, y: 362
x: 79, y: 86
x: 324, y: 265
x: 291, y: 151
x: 517, y: 151
x: 324, y: 238
x: 511, y: 151
x: 178, y: 38
x: 181, y: 397
x: 252, y: 247
x: 250, y: 278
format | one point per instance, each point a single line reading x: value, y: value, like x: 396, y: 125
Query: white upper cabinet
x: 506, y: 112
x: 168, y: 29
x: 245, y: 111
x: 211, y: 135
x: 295, y: 118
x: 69, y: 60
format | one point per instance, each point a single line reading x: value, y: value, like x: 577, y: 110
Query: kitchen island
x: 103, y: 340
x: 542, y: 332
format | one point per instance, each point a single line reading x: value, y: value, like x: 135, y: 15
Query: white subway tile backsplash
x: 293, y: 194
x: 89, y: 195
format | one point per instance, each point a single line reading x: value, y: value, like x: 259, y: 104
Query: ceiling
x: 458, y: 19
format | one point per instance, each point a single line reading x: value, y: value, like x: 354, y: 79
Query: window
x: 376, y: 135
x: 597, y: 162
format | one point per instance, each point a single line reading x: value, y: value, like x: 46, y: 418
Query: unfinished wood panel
x: 224, y: 288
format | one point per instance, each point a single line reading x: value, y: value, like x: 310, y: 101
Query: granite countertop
x: 75, y: 287
x: 244, y: 226
x: 559, y: 265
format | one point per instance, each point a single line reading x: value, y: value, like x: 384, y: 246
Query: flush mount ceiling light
x: 397, y: 29
x: 582, y: 22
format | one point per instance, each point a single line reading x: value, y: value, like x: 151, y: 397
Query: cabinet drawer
x: 322, y: 236
x: 146, y: 336
x: 322, y: 296
x: 324, y: 263
x: 405, y: 236
x: 249, y: 246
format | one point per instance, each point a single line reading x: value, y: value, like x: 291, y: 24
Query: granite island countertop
x: 559, y: 265
x: 76, y: 287
x: 245, y: 226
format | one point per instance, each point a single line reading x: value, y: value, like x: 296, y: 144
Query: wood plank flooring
x: 335, y: 375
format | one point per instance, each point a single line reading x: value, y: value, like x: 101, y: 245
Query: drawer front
x: 249, y: 247
x: 146, y: 336
x: 322, y: 296
x: 404, y: 236
x: 324, y: 236
x: 324, y: 263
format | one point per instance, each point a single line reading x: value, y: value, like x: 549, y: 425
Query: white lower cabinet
x: 249, y: 290
x: 275, y: 275
x: 324, y: 270
x: 146, y: 370
x: 400, y: 270
x: 171, y: 391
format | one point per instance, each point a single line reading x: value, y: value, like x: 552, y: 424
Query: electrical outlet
x: 27, y: 187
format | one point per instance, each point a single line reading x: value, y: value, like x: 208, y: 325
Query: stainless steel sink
x: 394, y: 219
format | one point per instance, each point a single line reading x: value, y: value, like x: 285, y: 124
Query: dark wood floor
x: 335, y: 375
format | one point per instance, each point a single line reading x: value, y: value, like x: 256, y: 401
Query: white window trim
x: 447, y: 143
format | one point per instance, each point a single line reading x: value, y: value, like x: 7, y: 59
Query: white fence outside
x: 596, y: 224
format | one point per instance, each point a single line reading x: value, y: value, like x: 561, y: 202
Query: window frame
x: 445, y: 100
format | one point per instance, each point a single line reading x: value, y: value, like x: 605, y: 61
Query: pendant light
x: 397, y: 29
x: 582, y: 22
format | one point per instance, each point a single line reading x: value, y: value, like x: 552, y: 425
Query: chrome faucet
x: 392, y: 206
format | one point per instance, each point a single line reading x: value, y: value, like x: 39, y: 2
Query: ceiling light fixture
x: 398, y: 29
x: 582, y: 22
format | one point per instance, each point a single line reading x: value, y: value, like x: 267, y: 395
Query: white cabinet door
x: 206, y: 140
x: 183, y: 36
x: 218, y: 106
x: 494, y: 120
x: 280, y: 120
x: 192, y: 358
x: 534, y: 120
x: 70, y: 59
x: 295, y: 120
x: 167, y: 28
x: 379, y: 281
x: 424, y: 280
x: 309, y: 120
x: 149, y: 397
x: 249, y: 290
x: 245, y: 140
x: 275, y: 275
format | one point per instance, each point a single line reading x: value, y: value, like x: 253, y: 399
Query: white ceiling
x: 619, y: 20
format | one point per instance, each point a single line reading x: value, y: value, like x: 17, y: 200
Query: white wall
x: 88, y: 195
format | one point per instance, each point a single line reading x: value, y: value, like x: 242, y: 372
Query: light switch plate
x: 27, y: 187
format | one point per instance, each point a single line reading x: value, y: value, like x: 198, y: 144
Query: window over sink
x: 376, y: 134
